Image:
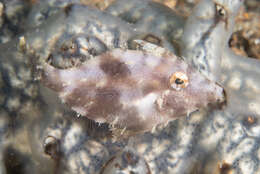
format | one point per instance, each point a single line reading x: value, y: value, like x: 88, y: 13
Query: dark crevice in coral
x: 15, y: 162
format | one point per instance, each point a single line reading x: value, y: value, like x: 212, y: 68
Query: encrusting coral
x: 44, y: 131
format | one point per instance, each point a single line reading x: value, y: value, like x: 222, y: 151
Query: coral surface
x: 40, y: 134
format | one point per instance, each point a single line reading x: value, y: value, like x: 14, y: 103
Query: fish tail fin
x: 50, y: 76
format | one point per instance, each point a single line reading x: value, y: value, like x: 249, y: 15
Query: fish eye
x: 220, y: 10
x: 179, y: 80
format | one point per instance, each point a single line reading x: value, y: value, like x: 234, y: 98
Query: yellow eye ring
x: 179, y: 80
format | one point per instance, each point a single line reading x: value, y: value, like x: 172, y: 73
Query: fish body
x: 133, y: 89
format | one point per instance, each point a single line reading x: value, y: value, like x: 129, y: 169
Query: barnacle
x: 221, y: 10
x: 51, y: 147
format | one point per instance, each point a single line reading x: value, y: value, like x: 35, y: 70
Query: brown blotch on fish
x: 108, y: 98
x: 114, y: 68
x: 150, y: 87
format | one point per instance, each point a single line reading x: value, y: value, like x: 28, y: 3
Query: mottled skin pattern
x: 218, y: 142
x: 133, y: 90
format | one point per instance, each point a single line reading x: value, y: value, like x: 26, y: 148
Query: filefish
x: 134, y: 90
